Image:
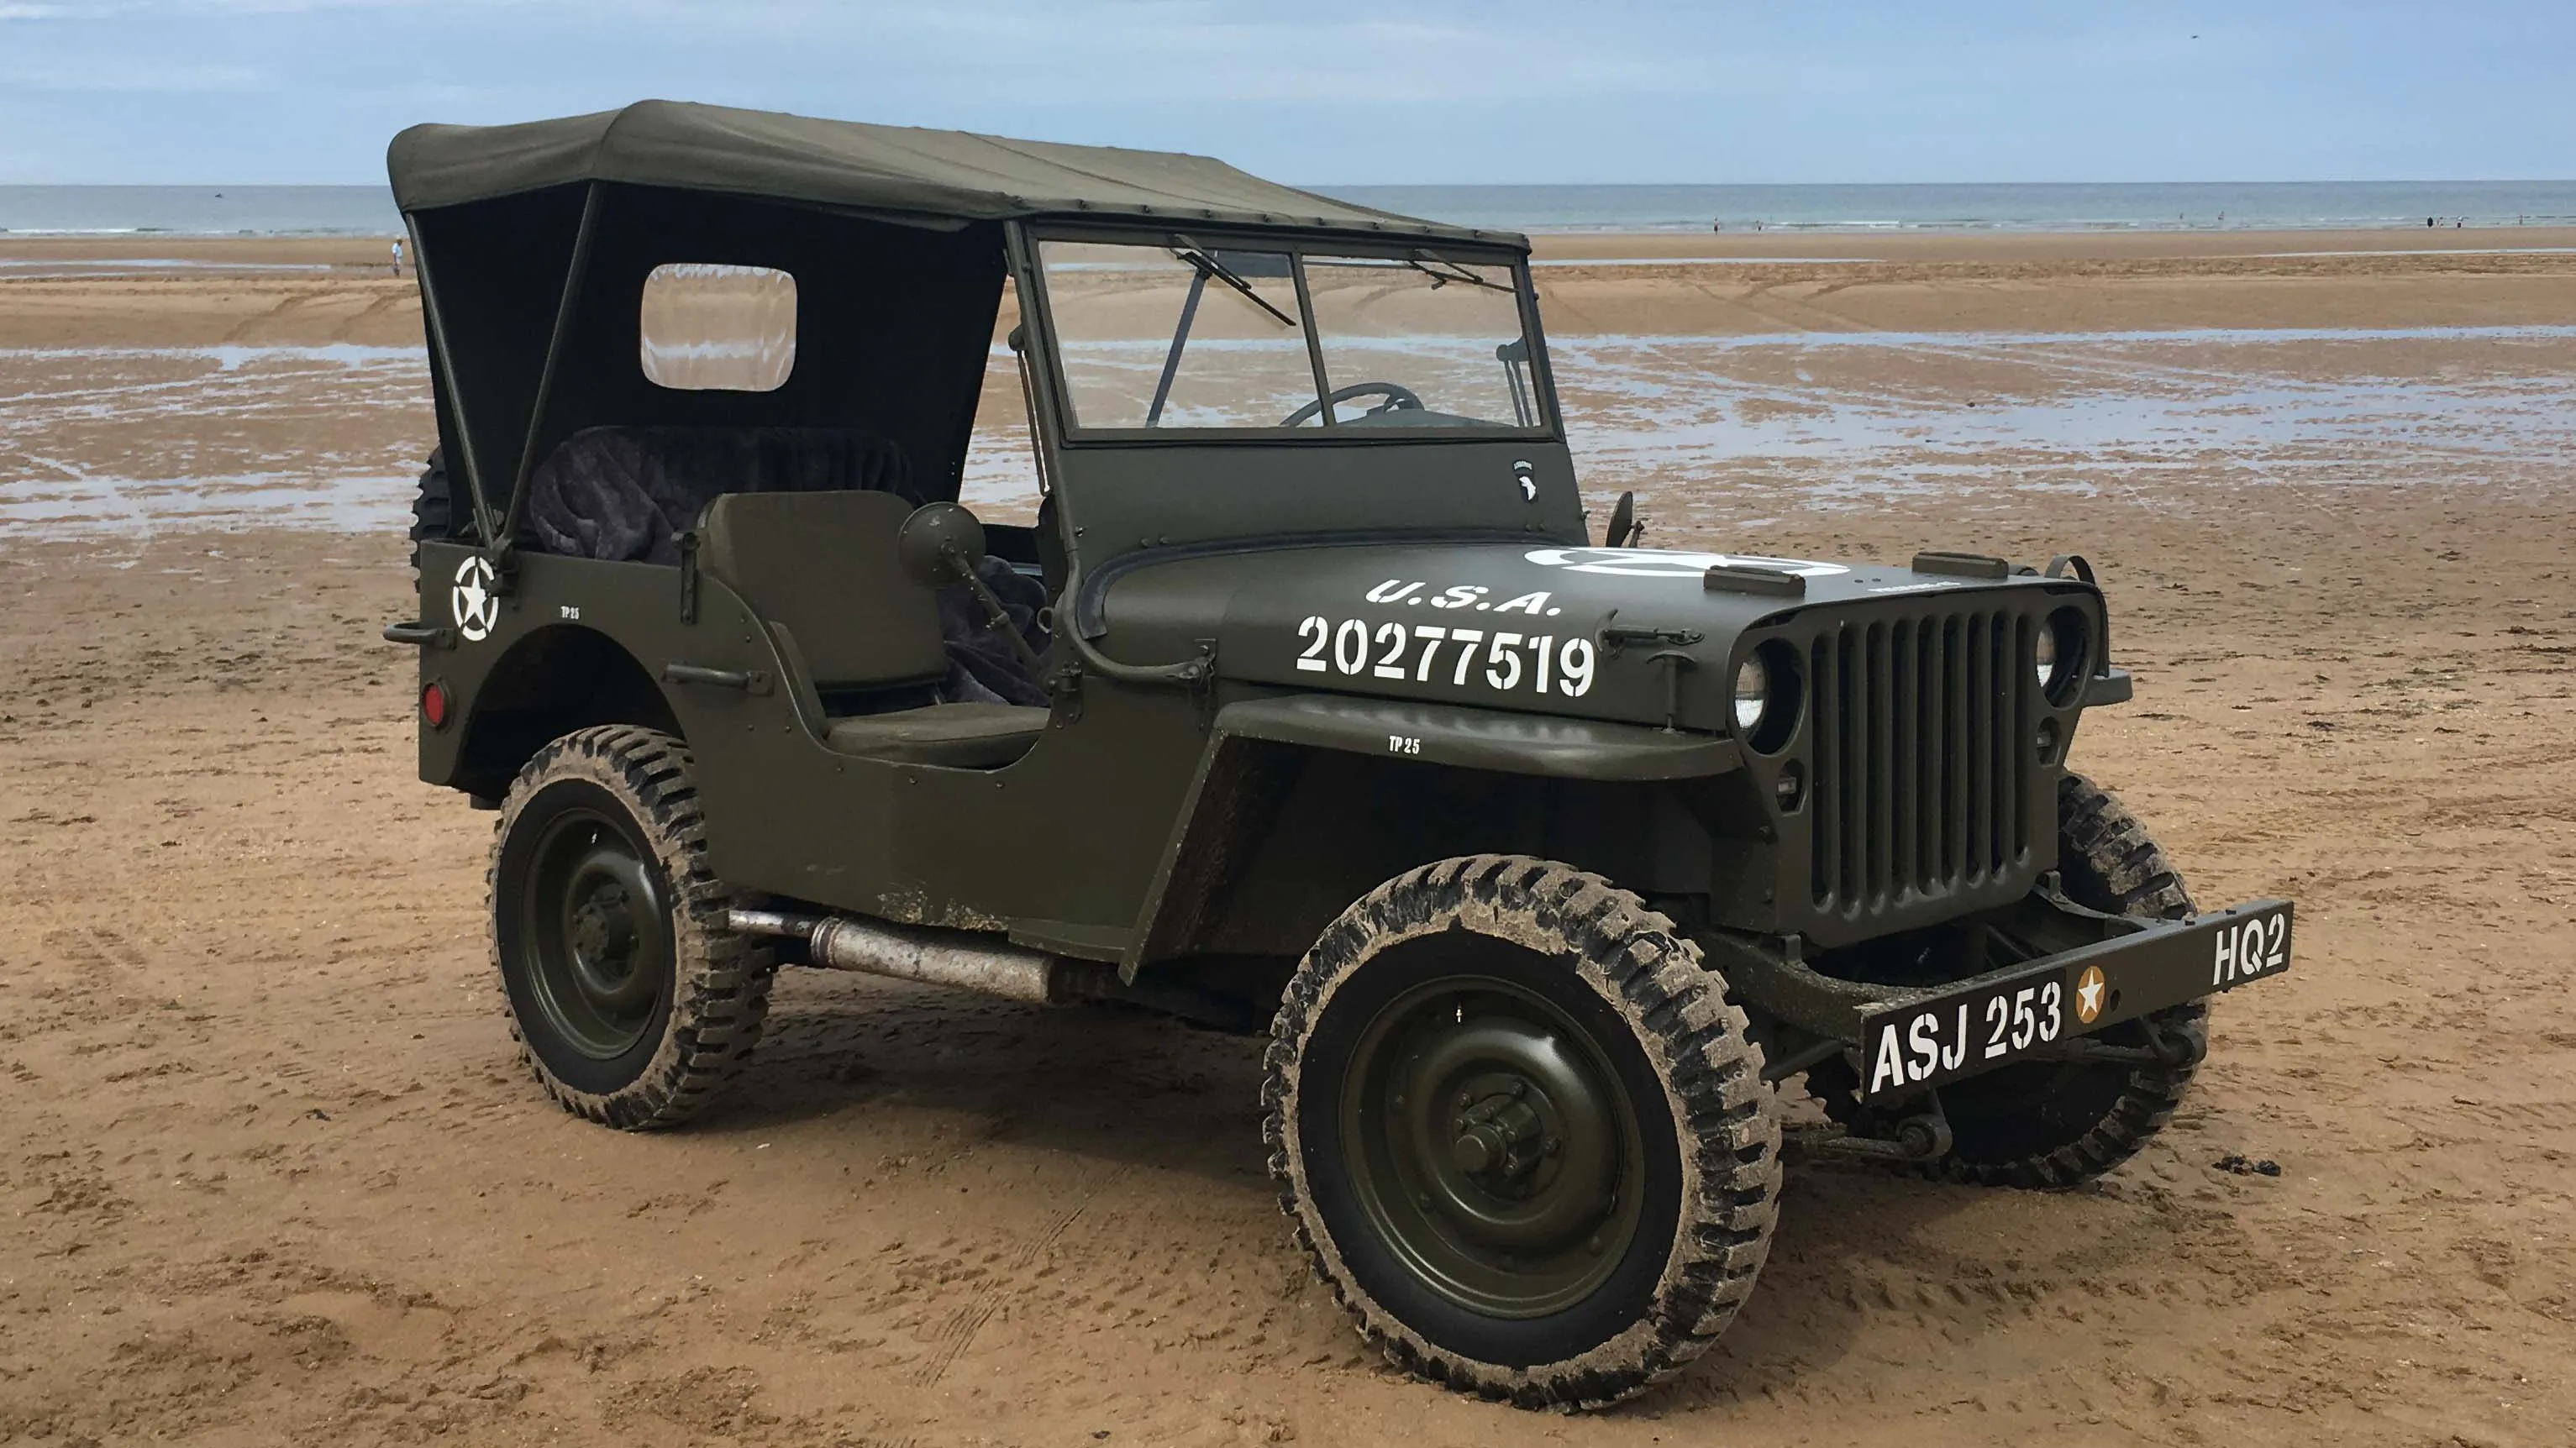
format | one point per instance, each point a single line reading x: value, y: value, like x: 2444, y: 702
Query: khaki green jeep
x: 1303, y: 701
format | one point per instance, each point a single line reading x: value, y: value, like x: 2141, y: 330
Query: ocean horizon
x: 1823, y: 208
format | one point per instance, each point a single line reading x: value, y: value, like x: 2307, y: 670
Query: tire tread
x: 721, y: 995
x: 1679, y: 1010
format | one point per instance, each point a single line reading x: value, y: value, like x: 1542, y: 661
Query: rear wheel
x: 2059, y: 1124
x: 633, y: 1001
x: 1521, y: 1132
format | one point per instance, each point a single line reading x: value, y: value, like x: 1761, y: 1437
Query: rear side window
x: 710, y: 327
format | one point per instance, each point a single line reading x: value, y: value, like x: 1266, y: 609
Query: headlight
x: 1752, y: 694
x: 2061, y: 653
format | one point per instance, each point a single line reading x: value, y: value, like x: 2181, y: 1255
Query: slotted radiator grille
x: 1919, y: 726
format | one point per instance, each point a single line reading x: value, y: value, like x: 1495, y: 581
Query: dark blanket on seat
x: 626, y: 494
x: 983, y: 668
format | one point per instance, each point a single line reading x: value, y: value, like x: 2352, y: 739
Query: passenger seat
x: 820, y: 570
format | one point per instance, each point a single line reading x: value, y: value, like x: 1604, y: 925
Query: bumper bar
x: 2103, y: 971
x: 1946, y: 1033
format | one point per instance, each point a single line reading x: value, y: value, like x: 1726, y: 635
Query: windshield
x: 1181, y: 336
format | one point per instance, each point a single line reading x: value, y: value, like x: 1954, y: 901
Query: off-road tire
x: 1701, y: 1244
x: 2043, y: 1125
x: 716, y: 996
x: 433, y: 505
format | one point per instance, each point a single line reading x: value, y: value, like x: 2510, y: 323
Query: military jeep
x: 1302, y: 701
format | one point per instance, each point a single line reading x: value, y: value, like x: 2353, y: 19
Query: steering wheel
x: 1399, y: 398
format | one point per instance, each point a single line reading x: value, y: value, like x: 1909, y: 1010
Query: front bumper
x: 2097, y: 971
x: 1946, y: 1033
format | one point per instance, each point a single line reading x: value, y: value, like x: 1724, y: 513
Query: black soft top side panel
x: 894, y: 323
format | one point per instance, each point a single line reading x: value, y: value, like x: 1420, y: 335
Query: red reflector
x: 433, y: 705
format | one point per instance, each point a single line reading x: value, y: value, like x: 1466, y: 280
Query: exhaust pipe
x: 979, y: 962
x: 838, y: 942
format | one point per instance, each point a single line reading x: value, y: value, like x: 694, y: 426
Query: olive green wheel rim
x: 595, y: 935
x: 1492, y: 1146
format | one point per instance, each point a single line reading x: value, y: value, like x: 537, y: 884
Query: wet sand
x: 276, y: 1176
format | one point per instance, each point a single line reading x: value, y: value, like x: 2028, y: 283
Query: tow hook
x: 2174, y: 1048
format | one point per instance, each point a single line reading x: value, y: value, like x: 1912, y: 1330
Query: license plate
x: 1982, y: 1024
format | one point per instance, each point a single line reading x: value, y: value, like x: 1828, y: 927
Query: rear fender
x: 574, y: 642
x: 548, y: 683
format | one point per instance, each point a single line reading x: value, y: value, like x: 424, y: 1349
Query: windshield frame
x: 1031, y: 286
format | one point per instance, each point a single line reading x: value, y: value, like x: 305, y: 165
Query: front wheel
x: 632, y: 1000
x: 1522, y: 1132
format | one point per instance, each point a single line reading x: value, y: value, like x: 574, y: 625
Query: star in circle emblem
x: 476, y: 607
x: 2091, y: 994
x: 1665, y: 563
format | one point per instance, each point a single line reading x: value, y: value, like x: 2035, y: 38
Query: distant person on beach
x: 397, y: 256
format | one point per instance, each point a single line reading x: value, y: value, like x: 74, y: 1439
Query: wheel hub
x: 1494, y: 1146
x: 600, y: 929
x: 597, y: 938
x: 1498, y: 1137
x: 1511, y: 1088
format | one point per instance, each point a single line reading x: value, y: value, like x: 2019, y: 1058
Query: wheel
x: 433, y: 508
x: 433, y: 505
x: 1521, y: 1132
x: 2060, y: 1124
x: 631, y: 999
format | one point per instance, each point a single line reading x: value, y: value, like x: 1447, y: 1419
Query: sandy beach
x: 276, y: 1176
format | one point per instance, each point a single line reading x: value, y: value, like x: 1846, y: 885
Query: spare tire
x: 433, y: 511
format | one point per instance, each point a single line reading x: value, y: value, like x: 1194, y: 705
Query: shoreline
x: 372, y: 252
x: 1998, y: 246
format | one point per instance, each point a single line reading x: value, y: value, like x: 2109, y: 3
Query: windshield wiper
x: 1449, y: 271
x: 1209, y: 266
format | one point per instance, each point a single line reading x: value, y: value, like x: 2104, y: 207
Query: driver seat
x: 820, y: 571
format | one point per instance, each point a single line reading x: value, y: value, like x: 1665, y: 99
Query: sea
x: 2071, y: 206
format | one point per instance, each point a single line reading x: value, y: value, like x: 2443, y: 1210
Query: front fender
x: 1217, y: 820
x: 1480, y: 738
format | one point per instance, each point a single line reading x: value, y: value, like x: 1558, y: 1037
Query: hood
x: 1627, y: 634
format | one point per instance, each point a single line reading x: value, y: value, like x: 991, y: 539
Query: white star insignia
x: 2088, y: 993
x: 471, y: 601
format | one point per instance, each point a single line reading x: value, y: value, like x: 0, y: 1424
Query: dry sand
x: 274, y: 1175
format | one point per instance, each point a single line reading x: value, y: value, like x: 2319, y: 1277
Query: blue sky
x: 248, y: 91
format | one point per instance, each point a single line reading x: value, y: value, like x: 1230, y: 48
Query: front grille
x: 1917, y: 726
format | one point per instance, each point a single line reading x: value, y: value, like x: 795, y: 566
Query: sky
x: 1428, y: 91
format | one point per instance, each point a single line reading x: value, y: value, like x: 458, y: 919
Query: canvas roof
x: 895, y: 170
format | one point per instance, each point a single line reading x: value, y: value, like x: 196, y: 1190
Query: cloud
x: 1457, y: 90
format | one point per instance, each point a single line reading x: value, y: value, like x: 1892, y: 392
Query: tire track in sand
x: 958, y: 1333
